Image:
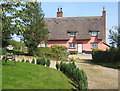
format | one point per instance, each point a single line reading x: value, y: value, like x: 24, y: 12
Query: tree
x: 34, y: 26
x: 26, y: 19
x: 113, y: 36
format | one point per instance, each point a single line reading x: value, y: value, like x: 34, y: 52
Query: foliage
x: 17, y: 45
x: 24, y: 19
x: 38, y: 61
x: 114, y: 36
x: 48, y: 62
x: 43, y: 51
x: 76, y: 74
x: 109, y: 56
x: 36, y: 30
x: 33, y: 61
x: 23, y: 60
x: 57, y: 65
x: 3, y: 51
x: 27, y: 61
x: 73, y: 52
x: 41, y: 61
x: 59, y: 51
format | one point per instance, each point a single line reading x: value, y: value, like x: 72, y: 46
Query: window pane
x: 94, y: 45
x: 72, y: 34
x: 94, y: 33
x: 72, y: 45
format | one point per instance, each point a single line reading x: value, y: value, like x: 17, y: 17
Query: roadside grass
x: 32, y: 76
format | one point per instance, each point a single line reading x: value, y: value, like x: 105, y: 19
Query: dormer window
x: 94, y: 33
x: 72, y: 34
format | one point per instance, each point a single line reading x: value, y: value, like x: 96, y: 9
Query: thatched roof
x: 59, y: 27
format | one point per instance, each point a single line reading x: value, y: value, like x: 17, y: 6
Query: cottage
x: 80, y: 34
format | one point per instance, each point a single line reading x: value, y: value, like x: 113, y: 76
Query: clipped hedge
x: 76, y: 74
x: 109, y: 56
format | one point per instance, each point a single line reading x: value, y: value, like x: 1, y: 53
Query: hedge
x: 109, y: 56
x: 76, y: 74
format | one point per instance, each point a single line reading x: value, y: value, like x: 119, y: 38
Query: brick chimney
x: 104, y: 18
x: 59, y: 12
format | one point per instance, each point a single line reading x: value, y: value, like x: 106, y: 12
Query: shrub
x: 109, y: 56
x: 42, y: 61
x: 43, y: 51
x: 38, y: 61
x: 48, y: 62
x: 33, y: 61
x: 76, y: 74
x: 73, y: 52
x: 59, y: 51
x: 27, y: 61
x: 3, y: 51
x: 57, y: 65
x: 23, y: 60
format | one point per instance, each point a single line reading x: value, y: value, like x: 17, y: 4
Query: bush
x: 42, y: 61
x: 73, y: 52
x: 57, y: 66
x: 38, y: 61
x: 33, y: 61
x: 76, y: 74
x: 48, y: 62
x: 23, y: 60
x: 27, y: 61
x: 109, y: 56
x: 3, y: 51
x: 43, y: 51
x: 59, y: 51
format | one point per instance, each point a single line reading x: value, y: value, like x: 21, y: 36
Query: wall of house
x: 86, y: 43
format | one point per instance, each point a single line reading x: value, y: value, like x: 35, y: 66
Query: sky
x: 83, y: 9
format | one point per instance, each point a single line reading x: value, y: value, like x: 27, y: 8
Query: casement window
x: 94, y: 45
x: 44, y: 44
x: 72, y: 45
x: 94, y: 33
x: 72, y: 34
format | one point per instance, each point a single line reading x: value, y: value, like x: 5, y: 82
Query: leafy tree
x: 17, y: 45
x: 25, y: 19
x: 113, y: 36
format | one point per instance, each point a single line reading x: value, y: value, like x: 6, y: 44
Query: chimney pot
x: 59, y: 13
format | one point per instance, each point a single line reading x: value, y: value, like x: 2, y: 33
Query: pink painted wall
x: 86, y: 43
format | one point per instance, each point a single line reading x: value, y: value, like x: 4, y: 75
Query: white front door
x: 80, y: 48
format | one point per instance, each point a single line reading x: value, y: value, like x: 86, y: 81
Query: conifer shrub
x: 48, y: 62
x: 38, y: 61
x: 23, y: 60
x: 76, y: 74
x: 27, y: 61
x: 42, y: 61
x: 33, y: 61
x: 57, y: 66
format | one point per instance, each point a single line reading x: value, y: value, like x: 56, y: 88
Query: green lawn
x: 32, y: 76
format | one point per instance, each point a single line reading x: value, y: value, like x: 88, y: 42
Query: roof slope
x: 59, y: 27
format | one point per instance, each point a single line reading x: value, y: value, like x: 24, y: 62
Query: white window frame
x: 72, y: 45
x: 94, y: 45
x: 94, y: 33
x: 72, y: 34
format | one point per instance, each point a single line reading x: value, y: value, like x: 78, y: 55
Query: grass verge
x: 31, y: 76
